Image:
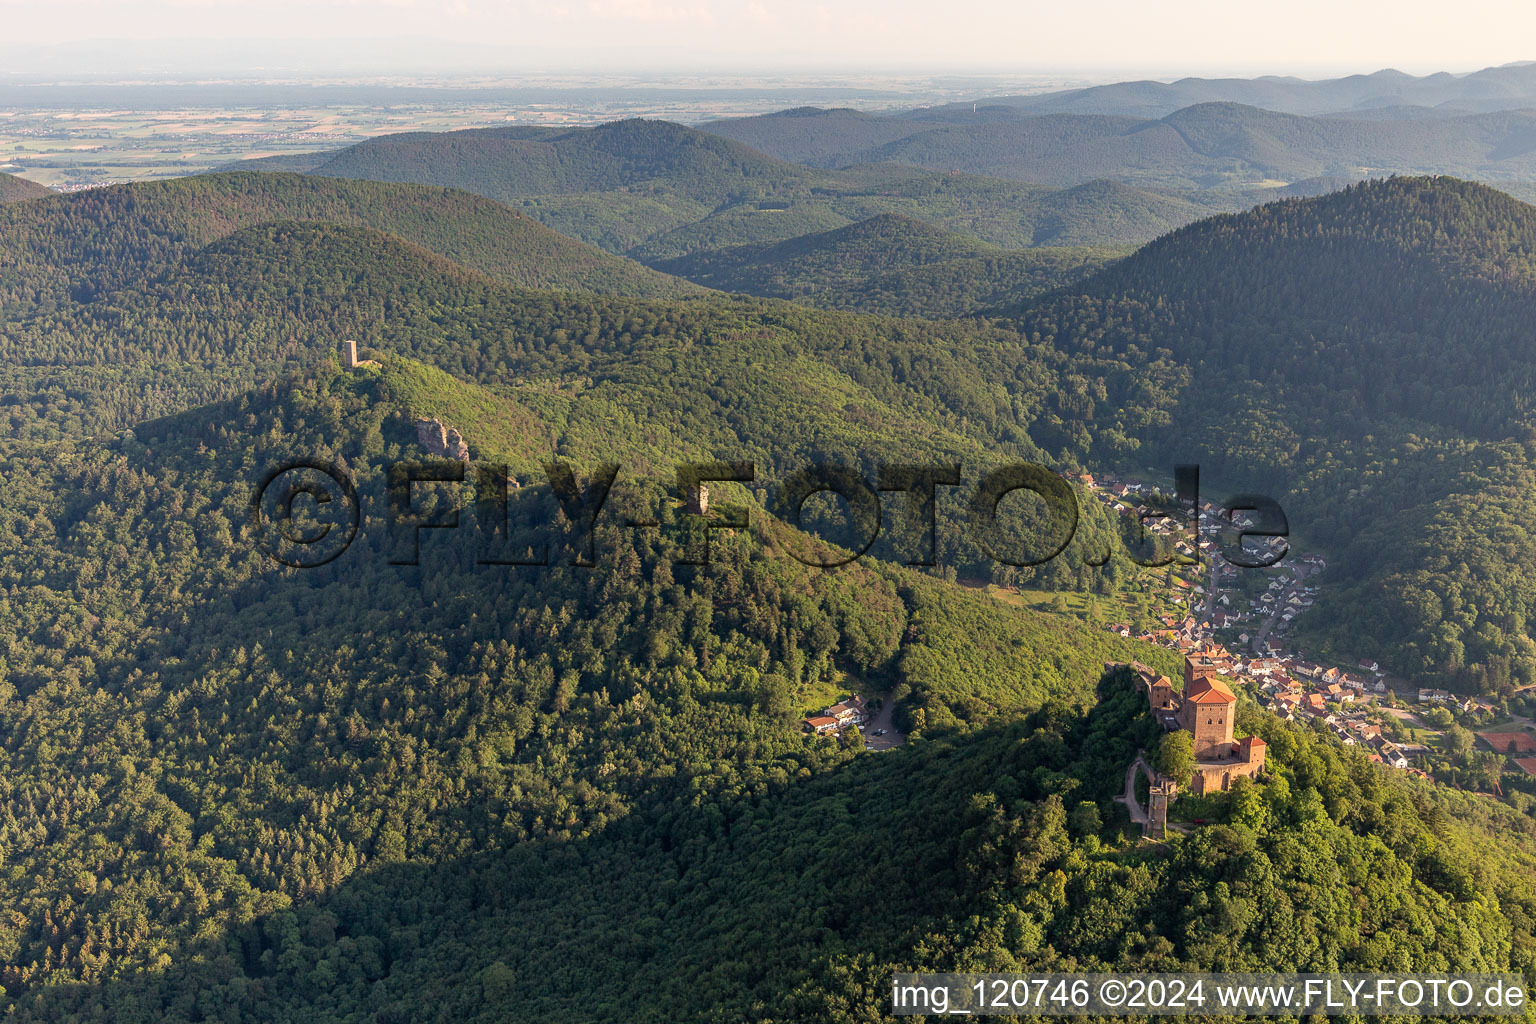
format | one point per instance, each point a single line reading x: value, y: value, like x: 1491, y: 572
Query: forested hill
x: 507, y: 795
x: 1411, y: 295
x: 830, y: 259
x: 94, y: 241
x: 1011, y: 215
x: 1321, y: 350
x: 1509, y: 87
x: 1219, y: 142
x: 471, y: 790
x: 969, y: 286
x: 644, y: 383
x: 655, y: 190
x: 894, y: 265
x: 513, y: 163
x: 297, y: 163
x: 815, y: 136
x: 1366, y: 356
x: 1202, y: 145
x: 222, y: 745
x: 13, y: 188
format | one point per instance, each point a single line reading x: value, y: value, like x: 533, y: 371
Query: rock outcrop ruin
x: 443, y: 442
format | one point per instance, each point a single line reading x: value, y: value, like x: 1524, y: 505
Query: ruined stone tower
x: 698, y: 500
x: 1159, y: 795
x: 349, y: 360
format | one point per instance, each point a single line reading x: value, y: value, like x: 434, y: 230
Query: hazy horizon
x: 385, y: 58
x: 1128, y: 40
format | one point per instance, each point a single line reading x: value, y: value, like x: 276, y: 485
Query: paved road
x: 1210, y: 588
x: 1299, y: 571
x: 1138, y: 816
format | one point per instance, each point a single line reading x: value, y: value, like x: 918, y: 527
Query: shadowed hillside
x: 657, y: 191
x: 13, y: 188
x: 1201, y: 145
x: 890, y: 264
x: 93, y: 241
x: 1366, y: 354
x: 831, y: 259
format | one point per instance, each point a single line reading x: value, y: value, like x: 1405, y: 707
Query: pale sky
x: 1305, y: 37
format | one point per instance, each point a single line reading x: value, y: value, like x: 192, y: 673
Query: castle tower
x: 1194, y: 672
x: 698, y: 501
x: 1208, y: 711
x: 1159, y: 795
x: 349, y: 355
x: 1252, y: 750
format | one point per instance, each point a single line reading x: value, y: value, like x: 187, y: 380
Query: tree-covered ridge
x: 1385, y: 93
x: 513, y: 163
x: 815, y: 136
x: 840, y: 258
x: 13, y: 188
x: 466, y: 790
x: 216, y: 740
x: 772, y: 381
x: 295, y: 163
x: 1330, y: 865
x: 965, y: 287
x: 164, y: 341
x: 1202, y: 144
x: 1394, y: 275
x: 893, y: 265
x: 1216, y: 359
x: 655, y: 190
x: 606, y: 379
x: 91, y: 242
x: 1012, y: 215
x: 1364, y: 357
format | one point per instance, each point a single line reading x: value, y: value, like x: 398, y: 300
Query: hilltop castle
x: 349, y: 360
x: 1207, y: 710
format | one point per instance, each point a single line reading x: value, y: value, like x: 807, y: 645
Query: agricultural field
x: 116, y: 135
x: 74, y: 149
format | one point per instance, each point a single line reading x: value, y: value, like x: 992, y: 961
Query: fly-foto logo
x: 307, y: 513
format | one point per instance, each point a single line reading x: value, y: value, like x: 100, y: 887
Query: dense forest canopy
x: 656, y: 191
x: 830, y: 259
x: 1367, y: 353
x: 93, y: 240
x: 891, y: 264
x: 1298, y: 349
x: 461, y: 790
x: 1204, y: 143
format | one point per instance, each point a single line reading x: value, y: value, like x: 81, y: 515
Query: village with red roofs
x: 1234, y: 630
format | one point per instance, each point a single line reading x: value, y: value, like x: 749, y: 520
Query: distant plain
x: 113, y: 135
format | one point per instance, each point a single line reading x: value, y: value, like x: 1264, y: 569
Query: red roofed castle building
x: 1207, y: 710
